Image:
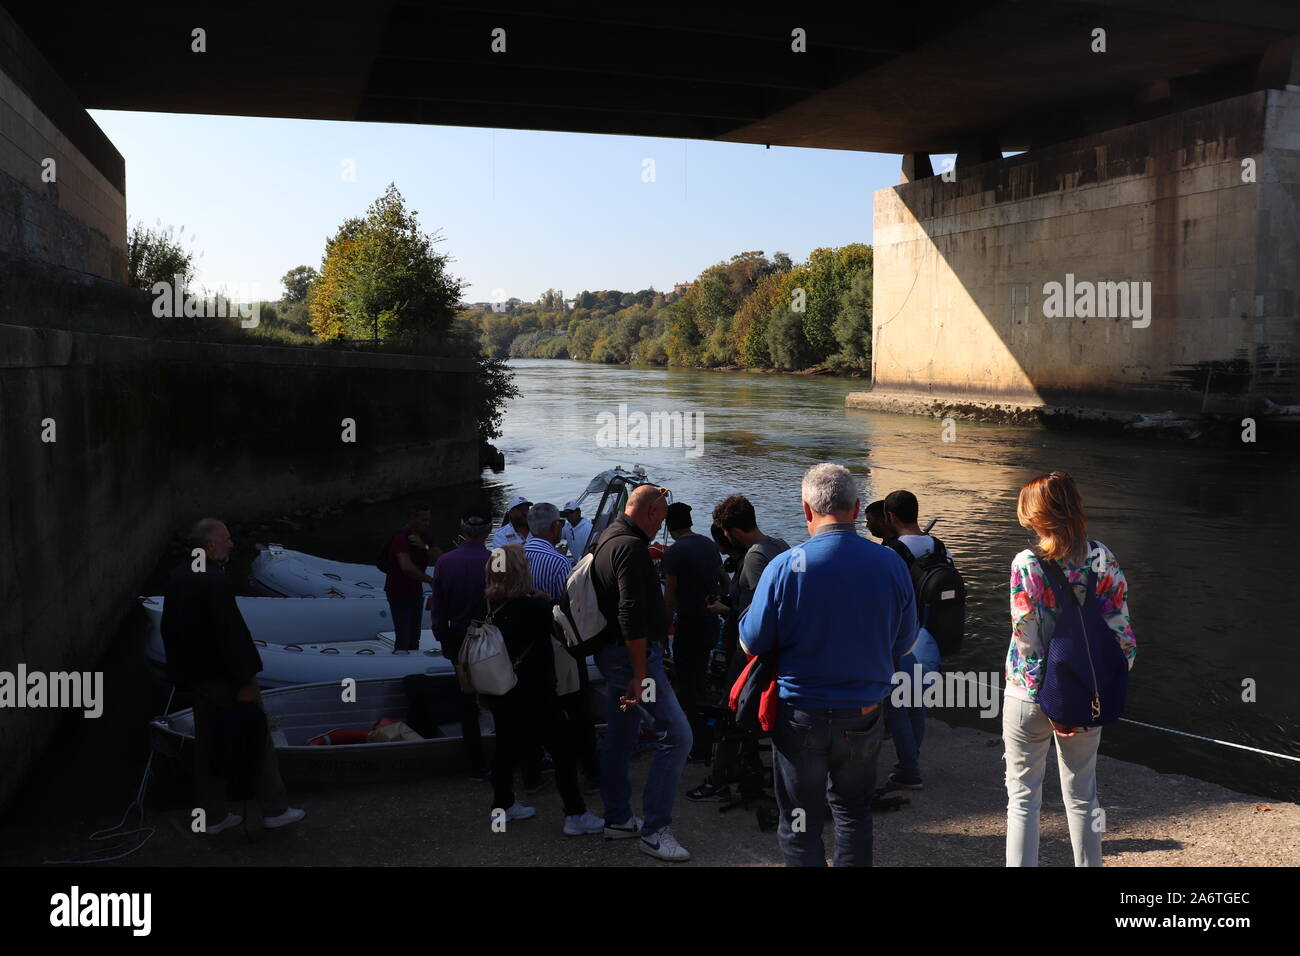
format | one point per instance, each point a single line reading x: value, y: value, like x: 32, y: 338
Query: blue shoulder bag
x: 1085, y: 673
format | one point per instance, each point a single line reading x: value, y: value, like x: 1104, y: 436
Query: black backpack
x: 940, y: 594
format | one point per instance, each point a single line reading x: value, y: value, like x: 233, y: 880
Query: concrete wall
x: 961, y: 267
x: 77, y: 220
x: 154, y: 434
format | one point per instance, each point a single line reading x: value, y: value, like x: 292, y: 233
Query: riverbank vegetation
x: 382, y: 286
x: 751, y: 311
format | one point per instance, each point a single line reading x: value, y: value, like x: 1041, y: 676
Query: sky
x: 519, y: 211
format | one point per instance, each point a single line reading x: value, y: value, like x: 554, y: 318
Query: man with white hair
x: 549, y: 568
x: 550, y: 571
x: 211, y: 654
x: 835, y: 612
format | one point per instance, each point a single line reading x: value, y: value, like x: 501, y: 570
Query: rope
x: 1168, y: 730
x: 116, y: 832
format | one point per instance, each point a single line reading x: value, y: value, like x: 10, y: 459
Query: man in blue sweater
x: 836, y: 611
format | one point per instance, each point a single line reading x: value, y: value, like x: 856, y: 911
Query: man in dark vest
x: 211, y: 654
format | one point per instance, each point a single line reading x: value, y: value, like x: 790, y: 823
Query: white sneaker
x: 292, y: 815
x: 580, y: 824
x: 664, y: 845
x: 232, y: 820
x: 622, y: 831
x: 519, y: 811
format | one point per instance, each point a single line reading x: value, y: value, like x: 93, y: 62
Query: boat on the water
x: 300, y: 714
x: 609, y: 490
x: 305, y: 640
x: 278, y: 571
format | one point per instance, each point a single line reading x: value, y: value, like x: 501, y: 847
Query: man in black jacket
x: 629, y: 596
x: 210, y: 653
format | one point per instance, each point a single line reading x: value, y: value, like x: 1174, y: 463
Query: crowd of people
x: 838, y: 616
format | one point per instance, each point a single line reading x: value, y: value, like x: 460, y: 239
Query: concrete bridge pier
x: 1141, y: 274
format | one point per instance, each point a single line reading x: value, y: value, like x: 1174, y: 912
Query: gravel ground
x: 1153, y: 819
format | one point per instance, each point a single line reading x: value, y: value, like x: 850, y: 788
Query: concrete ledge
x: 1026, y: 413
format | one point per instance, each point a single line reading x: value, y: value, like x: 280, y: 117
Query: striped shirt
x: 549, y: 568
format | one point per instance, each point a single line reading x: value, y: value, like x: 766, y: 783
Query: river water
x: 1205, y: 536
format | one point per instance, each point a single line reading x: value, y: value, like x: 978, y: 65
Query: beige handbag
x: 484, y: 659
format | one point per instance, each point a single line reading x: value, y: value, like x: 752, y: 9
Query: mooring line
x: 1168, y: 730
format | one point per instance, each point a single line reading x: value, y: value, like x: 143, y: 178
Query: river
x: 1205, y: 535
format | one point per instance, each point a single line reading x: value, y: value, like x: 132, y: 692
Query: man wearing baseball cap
x: 577, y: 530
x: 515, y: 529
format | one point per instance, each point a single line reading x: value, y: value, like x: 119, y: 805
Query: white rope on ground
x: 116, y: 832
x: 1168, y: 730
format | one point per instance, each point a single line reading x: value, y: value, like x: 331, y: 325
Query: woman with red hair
x: 1051, y: 507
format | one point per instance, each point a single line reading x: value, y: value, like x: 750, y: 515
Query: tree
x: 853, y: 325
x: 156, y: 255
x: 297, y: 281
x: 830, y: 271
x: 786, y: 342
x: 381, y: 278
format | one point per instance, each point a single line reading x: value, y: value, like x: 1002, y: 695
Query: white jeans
x: 1028, y: 735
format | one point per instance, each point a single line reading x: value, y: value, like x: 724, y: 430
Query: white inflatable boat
x: 305, y: 640
x: 278, y: 571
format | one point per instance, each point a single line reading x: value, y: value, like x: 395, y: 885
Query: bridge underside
x: 1136, y: 114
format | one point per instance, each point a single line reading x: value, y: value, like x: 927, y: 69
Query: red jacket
x: 767, y: 699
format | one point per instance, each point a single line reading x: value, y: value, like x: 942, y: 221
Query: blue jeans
x: 673, y: 741
x: 906, y: 725
x: 820, y: 757
x: 408, y: 612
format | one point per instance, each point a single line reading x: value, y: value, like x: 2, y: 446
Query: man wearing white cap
x: 515, y: 529
x: 577, y: 530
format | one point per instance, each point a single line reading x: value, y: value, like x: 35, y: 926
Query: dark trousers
x: 408, y: 614
x: 527, y: 719
x: 582, y: 726
x: 693, y: 640
x: 471, y: 733
x: 822, y: 756
x: 209, y: 698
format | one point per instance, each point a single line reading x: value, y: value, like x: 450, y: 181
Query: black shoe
x: 900, y: 781
x: 708, y: 792
x: 480, y: 775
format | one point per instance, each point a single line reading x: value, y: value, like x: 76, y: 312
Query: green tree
x: 297, y: 281
x: 853, y: 326
x: 157, y: 255
x: 383, y: 279
x: 786, y: 341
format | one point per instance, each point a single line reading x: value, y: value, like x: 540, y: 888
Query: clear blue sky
x: 520, y: 211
